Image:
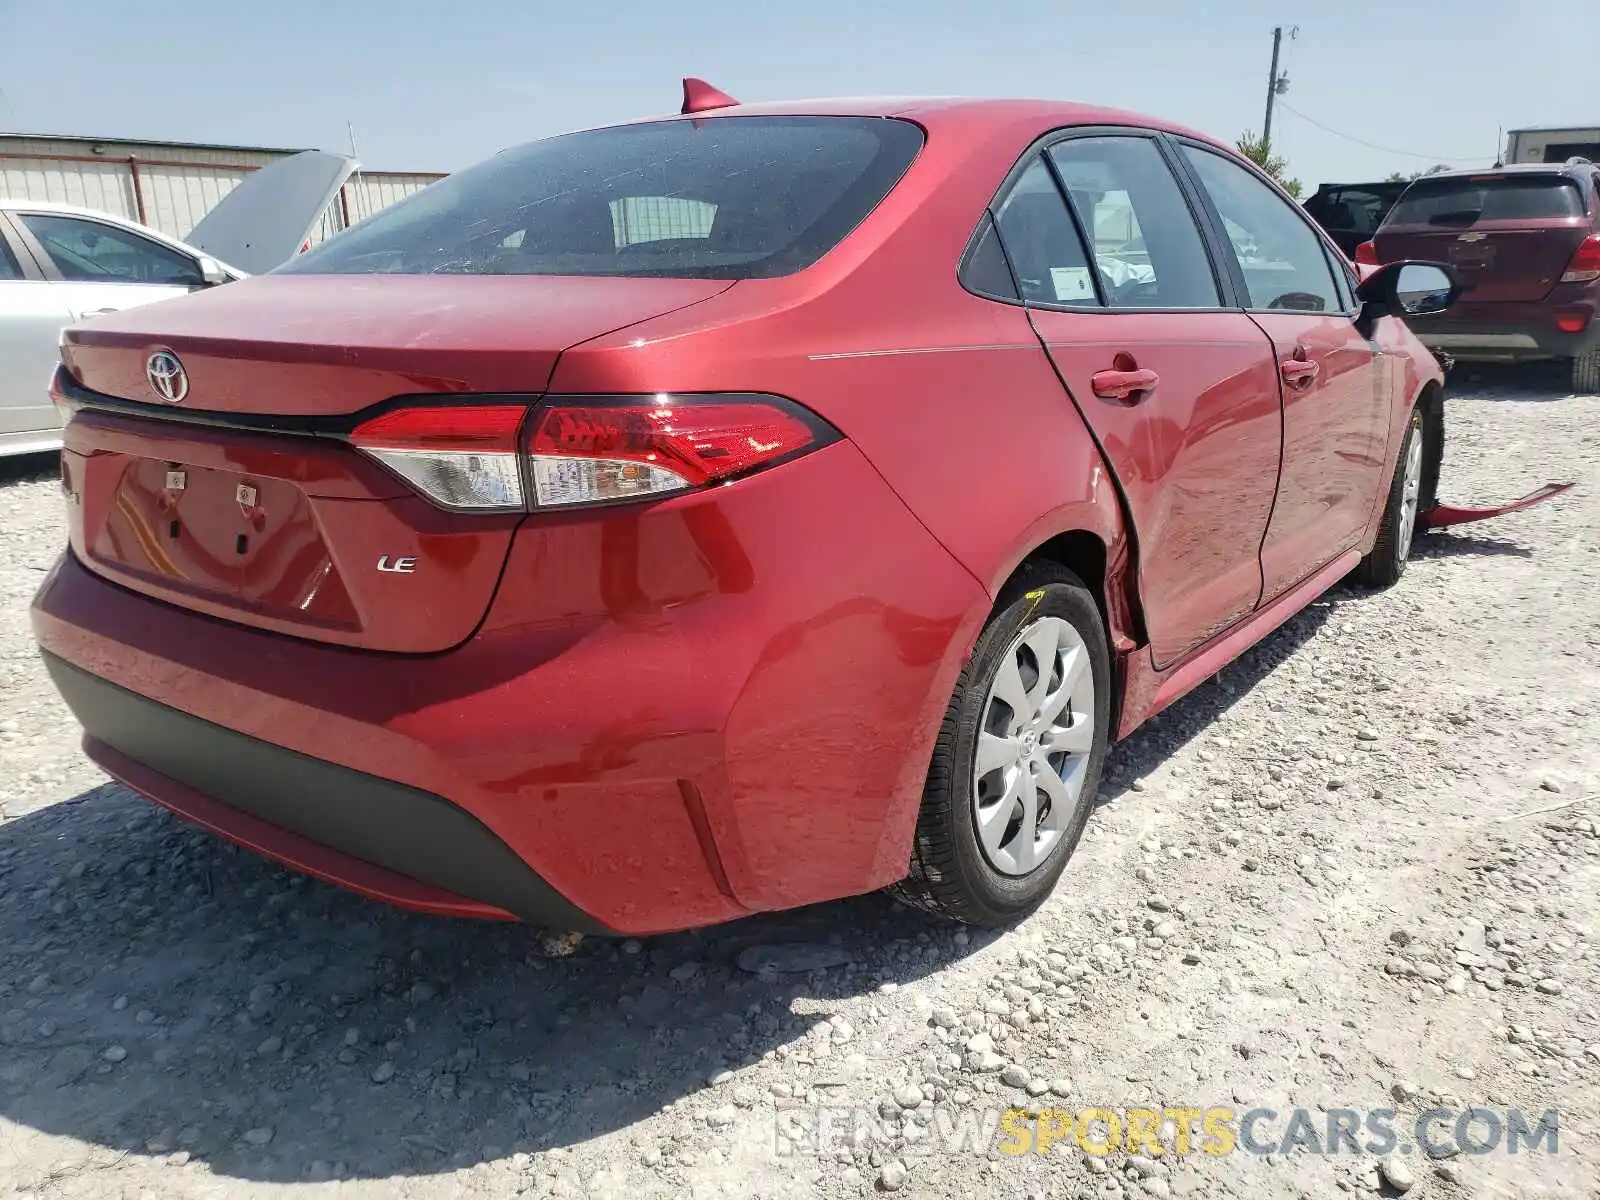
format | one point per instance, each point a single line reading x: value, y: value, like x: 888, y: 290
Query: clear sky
x: 438, y: 85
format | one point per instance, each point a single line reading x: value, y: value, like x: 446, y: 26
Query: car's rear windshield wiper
x: 1461, y: 216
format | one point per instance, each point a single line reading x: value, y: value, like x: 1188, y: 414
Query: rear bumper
x: 1513, y: 331
x: 401, y: 844
x: 672, y: 716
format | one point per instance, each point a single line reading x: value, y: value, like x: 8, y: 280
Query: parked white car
x: 60, y: 265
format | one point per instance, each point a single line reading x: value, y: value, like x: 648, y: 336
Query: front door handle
x: 1298, y: 372
x: 1130, y: 386
x: 94, y: 312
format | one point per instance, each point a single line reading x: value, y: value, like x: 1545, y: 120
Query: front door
x: 1180, y: 393
x: 1336, y: 391
x: 32, y: 313
x: 99, y: 267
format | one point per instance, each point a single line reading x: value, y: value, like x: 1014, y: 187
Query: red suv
x: 715, y: 514
x: 1525, y: 241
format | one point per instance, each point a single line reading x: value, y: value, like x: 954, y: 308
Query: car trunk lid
x: 314, y: 346
x: 1509, y: 237
x: 246, y: 501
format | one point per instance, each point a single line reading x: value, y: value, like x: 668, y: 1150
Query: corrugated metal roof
x: 85, y: 139
x: 169, y: 186
x: 24, y: 145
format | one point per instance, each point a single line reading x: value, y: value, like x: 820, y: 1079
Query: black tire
x: 1383, y: 567
x: 950, y: 875
x: 1586, y: 373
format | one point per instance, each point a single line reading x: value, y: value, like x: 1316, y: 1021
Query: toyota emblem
x: 166, y: 376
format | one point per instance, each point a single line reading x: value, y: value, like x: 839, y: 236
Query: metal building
x: 169, y: 185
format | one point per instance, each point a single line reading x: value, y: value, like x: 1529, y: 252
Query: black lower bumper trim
x: 1505, y: 343
x: 403, y: 829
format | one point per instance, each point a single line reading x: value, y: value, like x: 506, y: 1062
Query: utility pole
x: 1272, y: 91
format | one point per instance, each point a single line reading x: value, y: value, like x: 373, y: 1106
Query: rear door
x: 1334, y: 381
x: 1180, y: 391
x: 1509, y: 234
x: 32, y: 313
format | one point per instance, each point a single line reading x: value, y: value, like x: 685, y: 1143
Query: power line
x: 1350, y: 137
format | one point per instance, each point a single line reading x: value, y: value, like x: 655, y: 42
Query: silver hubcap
x: 1410, y: 491
x: 1034, y: 738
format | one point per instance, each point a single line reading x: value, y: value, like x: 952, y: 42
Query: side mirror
x: 212, y: 272
x: 1408, y: 289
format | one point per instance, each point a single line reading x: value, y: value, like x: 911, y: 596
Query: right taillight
x: 574, y: 450
x: 1585, y: 264
x: 459, y: 456
x: 1367, y: 254
x: 588, y: 451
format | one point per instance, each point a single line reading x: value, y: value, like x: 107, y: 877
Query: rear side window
x: 1046, y: 252
x: 1458, y: 203
x: 8, y: 263
x: 1148, y: 252
x: 985, y: 270
x: 714, y: 198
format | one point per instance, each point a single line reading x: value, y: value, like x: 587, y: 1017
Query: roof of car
x: 1508, y: 169
x: 969, y: 111
x: 66, y: 210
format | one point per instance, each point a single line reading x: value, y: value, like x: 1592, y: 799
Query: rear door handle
x: 95, y: 312
x: 1298, y: 372
x: 1131, y: 386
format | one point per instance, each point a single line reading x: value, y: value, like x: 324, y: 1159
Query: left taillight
x: 1367, y: 254
x: 578, y: 450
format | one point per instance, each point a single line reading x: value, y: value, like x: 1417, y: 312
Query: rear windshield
x: 717, y: 198
x: 1462, y: 202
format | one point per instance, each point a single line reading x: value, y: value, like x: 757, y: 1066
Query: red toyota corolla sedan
x: 701, y: 516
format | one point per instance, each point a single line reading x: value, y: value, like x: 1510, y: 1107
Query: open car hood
x: 266, y: 219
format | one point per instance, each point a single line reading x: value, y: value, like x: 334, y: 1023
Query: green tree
x: 1259, y: 152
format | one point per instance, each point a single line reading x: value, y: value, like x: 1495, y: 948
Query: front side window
x: 1280, y: 256
x: 1148, y: 251
x: 87, y: 251
x: 713, y: 198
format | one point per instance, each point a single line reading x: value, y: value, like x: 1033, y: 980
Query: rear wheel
x: 1387, y: 562
x: 1586, y: 373
x: 1017, y: 763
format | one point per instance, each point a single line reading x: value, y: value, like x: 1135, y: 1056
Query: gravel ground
x: 1357, y: 871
